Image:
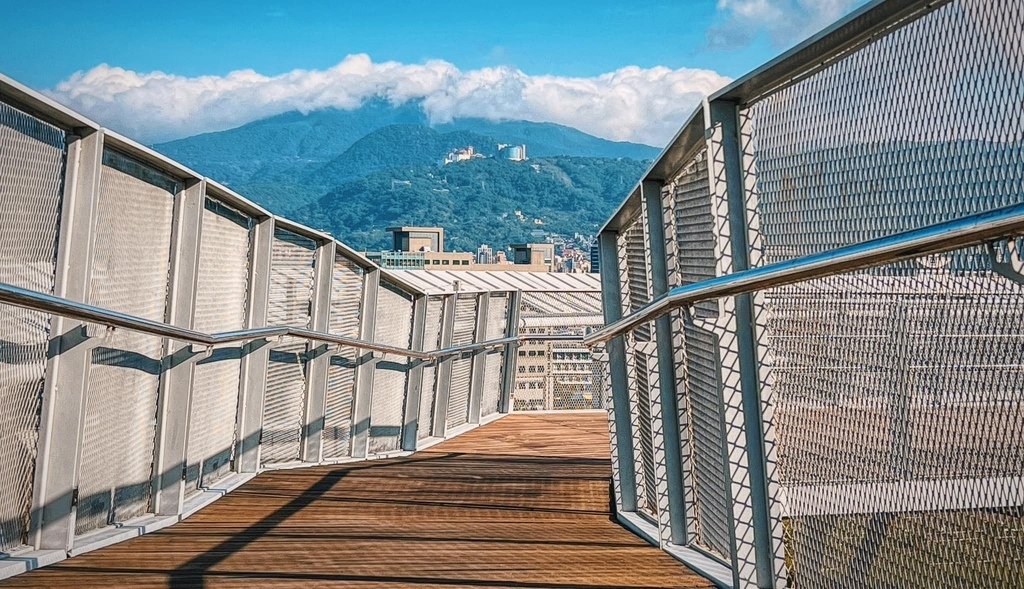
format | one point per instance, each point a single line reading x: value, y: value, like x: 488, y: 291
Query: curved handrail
x: 949, y: 235
x: 37, y: 301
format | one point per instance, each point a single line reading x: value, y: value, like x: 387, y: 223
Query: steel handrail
x: 48, y: 303
x: 941, y: 237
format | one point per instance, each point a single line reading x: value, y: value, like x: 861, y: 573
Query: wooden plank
x: 520, y: 502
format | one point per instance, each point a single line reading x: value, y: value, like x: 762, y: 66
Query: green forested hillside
x: 356, y: 172
x: 477, y: 201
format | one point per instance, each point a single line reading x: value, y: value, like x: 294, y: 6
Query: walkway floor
x: 520, y: 502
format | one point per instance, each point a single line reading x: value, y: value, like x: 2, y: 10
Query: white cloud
x: 784, y: 21
x: 629, y: 104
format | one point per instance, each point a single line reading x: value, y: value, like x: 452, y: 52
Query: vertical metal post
x: 364, y: 371
x: 178, y: 366
x: 724, y: 114
x: 511, y: 360
x: 651, y: 192
x: 611, y: 295
x: 414, y: 383
x: 255, y: 353
x: 318, y: 355
x: 67, y: 368
x: 476, y: 386
x: 444, y: 370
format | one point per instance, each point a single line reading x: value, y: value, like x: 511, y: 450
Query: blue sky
x: 46, y: 42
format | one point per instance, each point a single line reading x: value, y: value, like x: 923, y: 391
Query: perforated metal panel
x: 32, y: 159
x: 431, y: 341
x: 291, y: 294
x: 394, y: 328
x: 497, y: 325
x: 221, y: 299
x: 346, y: 310
x: 462, y: 368
x: 130, y: 274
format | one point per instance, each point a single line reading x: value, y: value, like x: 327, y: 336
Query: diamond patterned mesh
x: 927, y: 114
x: 497, y: 324
x: 346, y: 307
x: 428, y: 392
x: 694, y: 230
x: 647, y: 496
x: 32, y: 159
x: 557, y: 375
x: 221, y: 300
x: 130, y: 274
x: 393, y: 328
x: 462, y: 368
x: 710, y: 473
x: 900, y: 447
x: 896, y: 389
x: 290, y: 303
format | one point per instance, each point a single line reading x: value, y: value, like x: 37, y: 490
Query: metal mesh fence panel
x: 930, y: 131
x: 346, y: 302
x: 291, y: 293
x: 394, y: 328
x: 711, y: 495
x: 927, y: 113
x: 574, y: 377
x: 900, y: 419
x: 431, y: 341
x: 130, y: 274
x: 221, y: 300
x: 462, y: 368
x: 557, y: 375
x: 647, y: 497
x: 32, y: 159
x: 497, y: 325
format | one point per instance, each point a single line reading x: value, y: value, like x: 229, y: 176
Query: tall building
x: 595, y: 258
x: 484, y: 255
x: 514, y: 153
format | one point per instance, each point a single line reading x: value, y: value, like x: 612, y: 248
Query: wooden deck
x: 521, y: 502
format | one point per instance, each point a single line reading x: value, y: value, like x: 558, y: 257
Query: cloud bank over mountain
x: 645, y: 105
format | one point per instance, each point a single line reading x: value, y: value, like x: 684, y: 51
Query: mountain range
x: 355, y: 172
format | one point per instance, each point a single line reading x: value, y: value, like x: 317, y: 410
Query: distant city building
x: 595, y: 258
x: 484, y: 255
x: 514, y: 153
x: 462, y: 155
x: 500, y: 257
x: 398, y: 260
x: 534, y: 254
x: 417, y: 239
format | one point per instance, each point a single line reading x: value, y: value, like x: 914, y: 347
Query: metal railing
x: 814, y: 313
x: 235, y: 340
x: 36, y: 301
x: 976, y: 229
